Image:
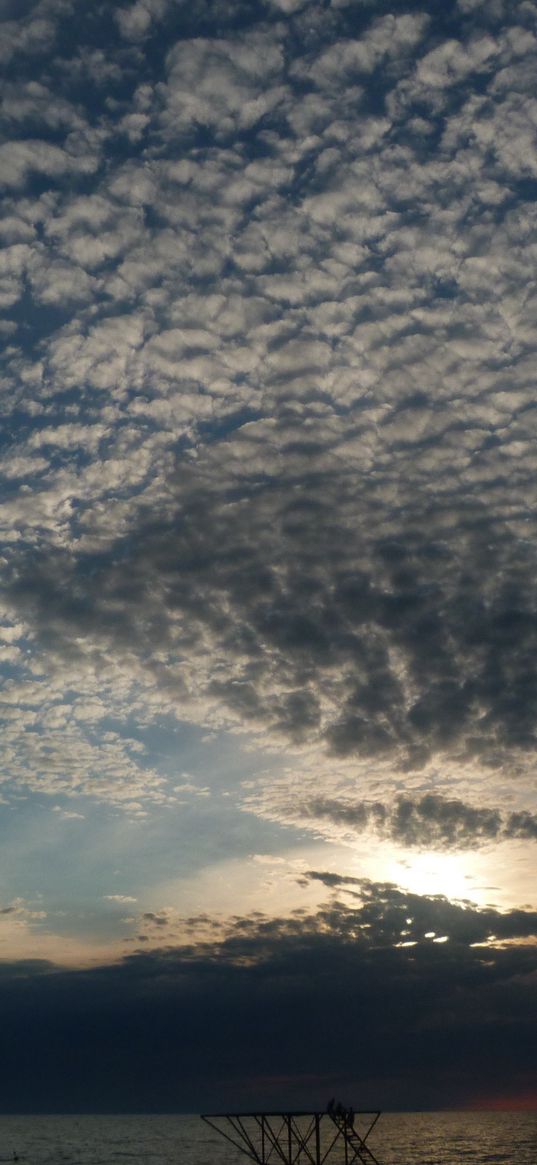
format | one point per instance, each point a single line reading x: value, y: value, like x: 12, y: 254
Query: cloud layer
x: 275, y: 433
x: 268, y: 475
x: 376, y: 994
x: 430, y: 822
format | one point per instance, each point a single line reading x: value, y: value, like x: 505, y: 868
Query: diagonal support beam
x: 297, y: 1138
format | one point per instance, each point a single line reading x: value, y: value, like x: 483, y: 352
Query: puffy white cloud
x: 136, y: 21
x: 352, y: 58
x: 226, y: 84
x: 32, y: 37
x: 33, y: 102
x: 19, y: 159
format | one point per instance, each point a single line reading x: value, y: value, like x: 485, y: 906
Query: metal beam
x: 297, y: 1138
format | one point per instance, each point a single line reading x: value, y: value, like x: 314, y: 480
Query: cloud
x: 227, y: 85
x: 19, y: 159
x: 350, y: 59
x: 135, y: 21
x: 33, y: 102
x: 429, y: 822
x: 358, y: 636
x: 32, y: 38
x: 119, y: 898
x: 260, y: 983
x: 274, y: 403
x: 268, y: 468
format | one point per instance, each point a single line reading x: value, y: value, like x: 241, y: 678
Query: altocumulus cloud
x: 278, y: 464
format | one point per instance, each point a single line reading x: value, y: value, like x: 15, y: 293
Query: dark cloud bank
x: 279, y: 1012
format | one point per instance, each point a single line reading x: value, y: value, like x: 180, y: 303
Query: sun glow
x: 429, y: 873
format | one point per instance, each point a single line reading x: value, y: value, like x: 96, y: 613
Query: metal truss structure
x: 298, y: 1138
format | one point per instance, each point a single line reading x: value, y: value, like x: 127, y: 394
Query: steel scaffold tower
x: 298, y: 1138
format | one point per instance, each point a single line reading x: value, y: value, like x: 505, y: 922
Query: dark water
x: 409, y: 1139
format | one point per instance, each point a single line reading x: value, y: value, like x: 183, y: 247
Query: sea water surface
x: 452, y: 1138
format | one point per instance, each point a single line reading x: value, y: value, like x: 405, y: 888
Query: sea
x: 447, y: 1138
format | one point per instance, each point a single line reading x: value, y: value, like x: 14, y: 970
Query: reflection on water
x: 398, y: 1139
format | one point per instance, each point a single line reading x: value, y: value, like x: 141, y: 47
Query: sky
x: 268, y: 614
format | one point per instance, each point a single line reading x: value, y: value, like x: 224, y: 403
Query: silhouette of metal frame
x: 297, y: 1138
